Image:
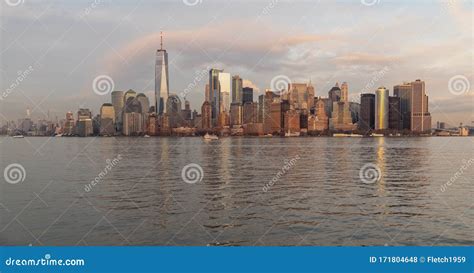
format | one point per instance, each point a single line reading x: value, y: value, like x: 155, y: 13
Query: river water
x: 237, y: 191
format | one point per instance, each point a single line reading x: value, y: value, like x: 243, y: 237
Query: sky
x: 53, y: 54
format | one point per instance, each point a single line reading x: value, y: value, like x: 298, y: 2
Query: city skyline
x: 320, y: 54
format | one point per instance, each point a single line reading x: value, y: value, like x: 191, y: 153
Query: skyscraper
x: 225, y: 87
x: 381, y: 108
x: 247, y: 94
x: 161, y: 79
x: 301, y: 95
x: 394, y: 113
x: 215, y: 96
x: 118, y: 103
x: 145, y: 104
x: 367, y: 112
x: 420, y: 117
x: 107, y: 119
x: 403, y: 91
x: 344, y: 92
x: 236, y: 89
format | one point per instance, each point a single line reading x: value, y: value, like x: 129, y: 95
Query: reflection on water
x: 319, y: 200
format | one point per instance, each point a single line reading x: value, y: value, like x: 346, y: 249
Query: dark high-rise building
x: 247, y: 94
x: 250, y: 112
x: 367, y: 112
x: 394, y: 114
x: 403, y: 91
x: 214, y: 91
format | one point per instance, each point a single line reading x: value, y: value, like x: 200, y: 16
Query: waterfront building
x: 237, y: 89
x: 186, y: 114
x: 215, y: 94
x: 253, y: 129
x: 132, y: 118
x: 334, y: 95
x: 318, y: 121
x: 341, y: 119
x: 69, y: 124
x: 420, y: 116
x: 250, y: 112
x: 225, y: 86
x: 118, y: 103
x: 381, y: 108
x: 354, y: 107
x: 404, y: 91
x: 236, y: 114
x: 173, y: 110
x: 440, y: 125
x: 268, y: 99
x: 394, y: 113
x: 344, y: 92
x: 301, y: 95
x: 145, y: 105
x: 260, y: 108
x: 107, y: 119
x: 206, y: 115
x: 247, y: 95
x: 292, y: 122
x: 367, y: 112
x: 129, y: 94
x: 84, y: 127
x: 276, y: 117
x: 152, y: 122
x: 161, y: 79
x: 207, y: 94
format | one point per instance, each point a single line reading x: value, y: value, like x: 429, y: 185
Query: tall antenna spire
x: 161, y: 43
